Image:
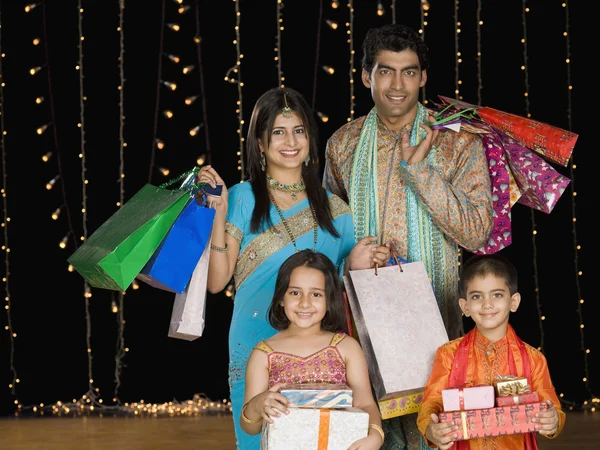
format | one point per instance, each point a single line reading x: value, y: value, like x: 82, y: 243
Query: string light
x: 56, y: 213
x: 350, y: 41
x: 63, y: 242
x: 160, y: 144
x: 168, y: 114
x: 323, y: 117
x: 330, y: 70
x: 333, y: 25
x: 188, y: 101
x: 170, y: 85
x: 278, y: 43
x: 195, y: 130
x: 40, y: 130
x: 46, y: 157
x: 183, y: 9
x: 174, y: 26
x: 5, y: 228
x: 229, y: 290
x: 479, y: 79
x: 201, y: 160
x: 30, y: 7
x: 120, y: 351
x: 174, y: 58
x: 236, y: 69
x: 188, y: 69
x: 424, y: 14
x: 380, y: 10
x: 164, y: 171
x: 198, y: 41
x: 335, y: 4
x: 34, y: 70
x: 457, y: 57
x: 39, y: 100
x: 52, y: 182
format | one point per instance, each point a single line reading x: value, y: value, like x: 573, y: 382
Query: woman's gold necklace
x: 292, y: 189
x: 287, y: 227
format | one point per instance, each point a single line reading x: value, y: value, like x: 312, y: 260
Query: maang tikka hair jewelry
x: 286, y: 111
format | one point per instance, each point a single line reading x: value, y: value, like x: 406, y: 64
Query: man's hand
x: 417, y: 153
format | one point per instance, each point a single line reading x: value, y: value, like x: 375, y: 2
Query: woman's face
x: 289, y: 144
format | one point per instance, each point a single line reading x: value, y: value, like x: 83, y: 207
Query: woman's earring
x: 307, y: 160
x: 263, y: 162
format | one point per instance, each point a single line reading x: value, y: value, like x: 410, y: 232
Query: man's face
x: 395, y: 82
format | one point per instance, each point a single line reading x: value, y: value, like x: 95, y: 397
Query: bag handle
x: 394, y: 255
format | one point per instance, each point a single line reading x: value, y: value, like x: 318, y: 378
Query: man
x: 424, y: 191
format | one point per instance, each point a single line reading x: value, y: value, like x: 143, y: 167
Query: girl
x: 258, y: 224
x: 308, y: 310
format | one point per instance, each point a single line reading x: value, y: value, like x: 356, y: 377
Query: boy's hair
x: 482, y: 265
x: 335, y: 317
x: 395, y: 38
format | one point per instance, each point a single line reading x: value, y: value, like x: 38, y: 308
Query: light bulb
x: 55, y: 214
x: 201, y: 159
x: 170, y: 85
x: 335, y: 4
x: 380, y: 10
x: 136, y: 286
x: 330, y: 70
x: 164, y: 171
x: 190, y: 100
x: 36, y: 41
x: 188, y: 69
x: 41, y: 129
x: 160, y: 144
x: 63, y: 242
x: 51, y: 183
x: 34, y: 70
x: 229, y: 291
x: 183, y: 9
x: 39, y: 100
x: 197, y: 39
x: 46, y: 156
x: 174, y: 26
x: 29, y: 7
x: 195, y: 130
x: 333, y: 25
x: 168, y: 113
x: 113, y: 307
x: 174, y: 58
x: 323, y: 117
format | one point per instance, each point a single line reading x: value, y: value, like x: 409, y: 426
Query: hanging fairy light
x: 229, y: 290
x: 200, y: 160
x: 323, y: 117
x: 30, y: 7
x: 159, y: 144
x: 168, y: 113
x: 56, y: 213
x: 188, y: 101
x: 195, y: 130
x: 380, y: 10
x: 39, y: 100
x: 46, y: 157
x: 188, y: 69
x: 63, y: 242
x: 34, y: 70
x: 330, y: 70
x: 164, y: 171
x: 183, y: 9
x: 333, y: 25
x: 170, y: 85
x: 174, y: 26
x: 36, y: 41
x: 174, y: 58
x: 335, y: 4
x: 40, y: 130
x: 52, y: 182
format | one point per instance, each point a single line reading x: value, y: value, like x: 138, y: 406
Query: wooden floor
x: 582, y: 432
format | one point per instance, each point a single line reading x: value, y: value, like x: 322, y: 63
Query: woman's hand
x: 270, y: 403
x: 210, y: 176
x: 367, y: 253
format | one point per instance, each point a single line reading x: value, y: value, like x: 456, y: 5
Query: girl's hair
x: 335, y: 317
x: 266, y: 110
x: 482, y: 265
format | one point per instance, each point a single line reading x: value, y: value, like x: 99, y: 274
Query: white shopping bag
x: 187, y: 318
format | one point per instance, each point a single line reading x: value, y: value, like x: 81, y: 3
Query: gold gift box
x: 509, y: 386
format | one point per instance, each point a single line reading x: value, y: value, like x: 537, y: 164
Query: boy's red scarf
x: 458, y: 373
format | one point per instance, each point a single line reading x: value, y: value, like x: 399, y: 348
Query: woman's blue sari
x: 261, y: 255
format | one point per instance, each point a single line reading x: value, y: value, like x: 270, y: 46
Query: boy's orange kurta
x: 487, y: 362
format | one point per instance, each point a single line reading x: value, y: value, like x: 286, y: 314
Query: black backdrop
x: 48, y: 309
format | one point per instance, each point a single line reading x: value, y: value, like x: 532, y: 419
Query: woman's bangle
x: 245, y: 419
x: 376, y: 428
x: 219, y: 249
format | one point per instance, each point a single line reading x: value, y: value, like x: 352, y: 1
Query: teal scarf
x: 425, y: 239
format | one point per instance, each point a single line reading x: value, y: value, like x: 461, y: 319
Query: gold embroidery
x: 275, y: 238
x: 234, y: 232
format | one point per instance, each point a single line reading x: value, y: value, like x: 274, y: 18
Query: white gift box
x: 302, y: 429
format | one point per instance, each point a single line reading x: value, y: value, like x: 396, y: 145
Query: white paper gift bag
x: 399, y: 326
x: 187, y: 318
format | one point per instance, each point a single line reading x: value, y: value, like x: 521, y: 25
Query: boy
x: 488, y: 294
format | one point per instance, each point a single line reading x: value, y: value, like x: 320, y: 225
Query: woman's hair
x: 335, y: 317
x: 394, y: 38
x: 482, y: 265
x: 266, y: 110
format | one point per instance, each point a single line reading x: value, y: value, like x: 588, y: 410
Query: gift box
x: 541, y: 185
x: 399, y: 325
x: 318, y: 395
x: 466, y: 398
x: 510, y: 385
x: 478, y: 423
x: 400, y: 406
x: 514, y: 400
x: 308, y: 428
x: 553, y: 143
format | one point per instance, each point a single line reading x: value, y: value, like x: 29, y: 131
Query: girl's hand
x: 271, y: 403
x: 371, y: 442
x: 547, y: 421
x: 210, y: 176
x: 441, y: 433
x: 366, y: 253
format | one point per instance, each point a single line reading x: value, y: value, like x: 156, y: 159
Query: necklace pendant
x: 294, y: 195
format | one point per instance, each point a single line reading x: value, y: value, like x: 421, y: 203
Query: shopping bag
x: 399, y: 325
x: 187, y: 317
x: 117, y: 251
x: 171, y: 266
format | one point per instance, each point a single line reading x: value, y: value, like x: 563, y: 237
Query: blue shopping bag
x: 171, y: 266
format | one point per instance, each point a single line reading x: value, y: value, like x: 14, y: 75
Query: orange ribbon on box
x: 323, y: 429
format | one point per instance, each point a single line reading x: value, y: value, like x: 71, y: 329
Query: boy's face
x: 489, y: 304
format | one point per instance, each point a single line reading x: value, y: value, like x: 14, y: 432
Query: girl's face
x: 305, y: 301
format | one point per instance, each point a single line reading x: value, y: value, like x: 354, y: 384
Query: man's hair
x: 335, y: 317
x: 482, y: 265
x: 395, y: 38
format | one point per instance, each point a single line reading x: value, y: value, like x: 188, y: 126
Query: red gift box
x: 514, y: 400
x: 479, y: 423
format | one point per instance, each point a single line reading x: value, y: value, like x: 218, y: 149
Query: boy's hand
x: 547, y: 421
x: 271, y: 403
x: 438, y: 433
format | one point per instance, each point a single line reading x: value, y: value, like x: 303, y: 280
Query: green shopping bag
x: 117, y: 251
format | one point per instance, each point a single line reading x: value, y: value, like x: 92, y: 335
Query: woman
x: 259, y: 224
